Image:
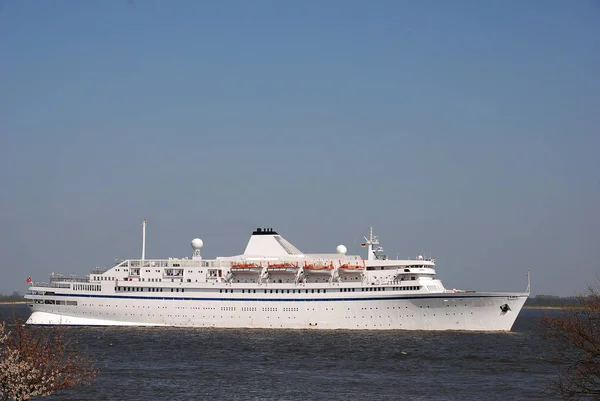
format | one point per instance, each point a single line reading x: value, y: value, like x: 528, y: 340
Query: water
x: 241, y: 364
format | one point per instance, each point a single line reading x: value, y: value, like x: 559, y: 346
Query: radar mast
x: 369, y: 242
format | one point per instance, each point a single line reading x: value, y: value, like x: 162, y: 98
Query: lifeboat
x: 282, y: 267
x: 244, y: 266
x: 318, y: 267
x: 352, y: 267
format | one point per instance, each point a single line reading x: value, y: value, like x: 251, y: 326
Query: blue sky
x: 465, y: 130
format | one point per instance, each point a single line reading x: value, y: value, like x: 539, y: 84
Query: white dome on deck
x: 197, y: 243
x: 341, y: 249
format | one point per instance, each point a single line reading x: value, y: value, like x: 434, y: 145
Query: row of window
x: 149, y: 289
x: 165, y: 263
x: 323, y: 290
x: 54, y: 302
x: 213, y: 274
x: 97, y: 287
x: 293, y: 291
x: 150, y: 279
x: 87, y: 287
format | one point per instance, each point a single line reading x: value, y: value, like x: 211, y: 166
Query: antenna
x: 528, y: 290
x: 143, y: 240
x: 372, y: 240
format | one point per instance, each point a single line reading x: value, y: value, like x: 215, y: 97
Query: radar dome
x: 420, y: 257
x: 341, y: 249
x: 197, y: 243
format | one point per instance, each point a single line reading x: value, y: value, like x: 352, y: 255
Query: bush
x: 37, y: 361
x: 577, y: 336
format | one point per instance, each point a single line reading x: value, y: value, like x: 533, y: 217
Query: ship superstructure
x: 272, y: 285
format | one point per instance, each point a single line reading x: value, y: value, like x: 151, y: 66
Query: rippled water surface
x: 256, y: 364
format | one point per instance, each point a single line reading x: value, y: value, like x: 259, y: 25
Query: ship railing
x: 39, y: 284
x: 455, y: 291
x: 99, y: 270
x: 49, y: 284
x: 60, y: 285
x: 69, y: 279
x: 171, y: 263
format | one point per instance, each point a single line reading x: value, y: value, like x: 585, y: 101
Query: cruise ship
x: 272, y: 285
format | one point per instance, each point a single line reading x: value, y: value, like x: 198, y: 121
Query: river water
x: 256, y: 364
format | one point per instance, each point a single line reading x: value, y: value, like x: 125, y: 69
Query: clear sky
x: 465, y: 130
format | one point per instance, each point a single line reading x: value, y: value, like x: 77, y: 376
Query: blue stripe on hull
x: 453, y: 296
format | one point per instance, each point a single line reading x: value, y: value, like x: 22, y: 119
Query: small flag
x: 28, y: 279
x: 363, y: 245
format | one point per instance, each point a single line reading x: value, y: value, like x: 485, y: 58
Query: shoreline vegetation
x: 542, y: 301
x: 14, y: 298
x: 563, y: 307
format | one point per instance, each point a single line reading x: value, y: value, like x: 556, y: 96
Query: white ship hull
x: 434, y: 312
x: 272, y: 285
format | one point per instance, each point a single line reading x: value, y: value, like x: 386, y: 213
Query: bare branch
x: 36, y: 361
x: 576, y: 335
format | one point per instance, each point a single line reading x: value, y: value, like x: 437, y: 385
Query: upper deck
x: 268, y: 258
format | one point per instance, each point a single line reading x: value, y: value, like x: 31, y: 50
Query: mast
x: 143, y: 240
x: 372, y: 240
